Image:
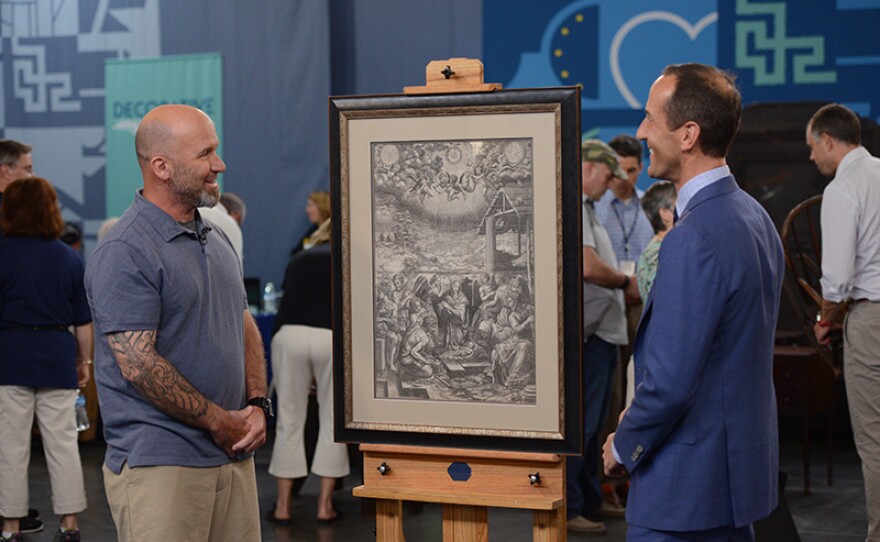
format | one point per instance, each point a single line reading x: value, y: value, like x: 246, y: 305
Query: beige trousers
x: 186, y: 504
x: 57, y: 423
x: 861, y: 350
x: 300, y: 353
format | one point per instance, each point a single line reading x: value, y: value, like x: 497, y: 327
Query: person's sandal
x: 270, y: 517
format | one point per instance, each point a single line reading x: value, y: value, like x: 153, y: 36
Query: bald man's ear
x: 690, y: 135
x: 161, y: 167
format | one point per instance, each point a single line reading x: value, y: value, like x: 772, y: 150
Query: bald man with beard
x: 179, y: 360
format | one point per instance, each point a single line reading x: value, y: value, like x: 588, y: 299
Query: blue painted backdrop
x: 781, y: 50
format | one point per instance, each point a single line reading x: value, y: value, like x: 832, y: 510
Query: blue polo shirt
x: 151, y: 273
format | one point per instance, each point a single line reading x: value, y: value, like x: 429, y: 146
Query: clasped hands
x: 241, y: 431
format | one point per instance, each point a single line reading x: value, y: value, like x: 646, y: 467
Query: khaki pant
x: 861, y: 350
x: 192, y: 504
x: 55, y: 417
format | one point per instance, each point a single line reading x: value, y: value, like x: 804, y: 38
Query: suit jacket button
x: 634, y: 456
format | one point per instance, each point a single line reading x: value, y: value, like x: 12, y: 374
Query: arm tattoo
x: 157, y: 379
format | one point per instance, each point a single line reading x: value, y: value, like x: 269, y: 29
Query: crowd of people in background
x: 681, y: 295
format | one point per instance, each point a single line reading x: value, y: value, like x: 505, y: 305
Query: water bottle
x: 269, y: 298
x: 82, y: 417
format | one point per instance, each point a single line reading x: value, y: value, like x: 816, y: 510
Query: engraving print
x: 453, y: 284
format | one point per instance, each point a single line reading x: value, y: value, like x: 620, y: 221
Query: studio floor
x: 830, y: 513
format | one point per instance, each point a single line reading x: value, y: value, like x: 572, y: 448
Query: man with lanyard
x: 620, y: 210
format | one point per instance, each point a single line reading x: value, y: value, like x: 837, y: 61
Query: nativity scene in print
x: 453, y: 284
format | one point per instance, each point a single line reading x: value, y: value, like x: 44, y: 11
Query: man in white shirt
x: 851, y: 277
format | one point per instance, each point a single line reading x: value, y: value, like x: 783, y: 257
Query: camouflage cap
x: 594, y: 150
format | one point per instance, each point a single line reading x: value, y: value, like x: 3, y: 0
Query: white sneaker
x: 581, y: 524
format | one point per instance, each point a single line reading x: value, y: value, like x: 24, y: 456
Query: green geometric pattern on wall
x: 805, y: 52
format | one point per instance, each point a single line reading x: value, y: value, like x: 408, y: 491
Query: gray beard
x: 191, y: 198
x: 208, y: 199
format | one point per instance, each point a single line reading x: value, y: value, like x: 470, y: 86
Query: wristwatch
x: 263, y: 402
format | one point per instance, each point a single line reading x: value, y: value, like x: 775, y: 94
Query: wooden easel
x: 465, y: 482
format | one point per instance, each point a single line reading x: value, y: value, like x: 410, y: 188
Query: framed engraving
x: 457, y: 269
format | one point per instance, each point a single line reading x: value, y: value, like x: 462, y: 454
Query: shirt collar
x: 852, y: 156
x: 696, y: 184
x: 163, y: 223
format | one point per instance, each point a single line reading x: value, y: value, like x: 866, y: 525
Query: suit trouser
x: 300, y: 353
x: 583, y: 489
x: 861, y: 350
x: 55, y: 417
x: 192, y: 504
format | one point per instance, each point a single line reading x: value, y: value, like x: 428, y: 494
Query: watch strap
x: 264, y: 403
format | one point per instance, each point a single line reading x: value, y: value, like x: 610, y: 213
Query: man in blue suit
x: 700, y: 437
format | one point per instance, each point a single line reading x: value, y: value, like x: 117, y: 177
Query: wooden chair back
x: 802, y: 244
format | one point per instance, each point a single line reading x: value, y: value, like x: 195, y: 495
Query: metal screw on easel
x: 383, y: 469
x: 447, y: 72
x: 535, y: 478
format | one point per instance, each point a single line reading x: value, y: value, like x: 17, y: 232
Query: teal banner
x: 133, y: 88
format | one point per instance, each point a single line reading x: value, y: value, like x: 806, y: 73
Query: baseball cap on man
x: 594, y: 150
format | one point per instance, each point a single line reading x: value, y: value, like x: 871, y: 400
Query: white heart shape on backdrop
x: 614, y: 56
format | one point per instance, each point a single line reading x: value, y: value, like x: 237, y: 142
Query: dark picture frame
x: 457, y: 269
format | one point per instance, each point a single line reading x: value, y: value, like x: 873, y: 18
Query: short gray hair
x: 660, y: 195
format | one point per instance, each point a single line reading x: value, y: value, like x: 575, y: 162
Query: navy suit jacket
x: 700, y: 437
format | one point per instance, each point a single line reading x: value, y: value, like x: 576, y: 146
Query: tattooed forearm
x: 159, y: 381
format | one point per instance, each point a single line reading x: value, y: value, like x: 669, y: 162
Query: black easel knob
x: 383, y: 469
x: 535, y: 478
x: 447, y: 72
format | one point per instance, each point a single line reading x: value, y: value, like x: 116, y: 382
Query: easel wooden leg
x: 465, y: 523
x: 549, y: 525
x: 389, y: 520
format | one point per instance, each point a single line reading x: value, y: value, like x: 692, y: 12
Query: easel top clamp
x: 452, y: 76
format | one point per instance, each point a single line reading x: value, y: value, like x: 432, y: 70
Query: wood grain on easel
x: 497, y: 478
x: 465, y: 523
